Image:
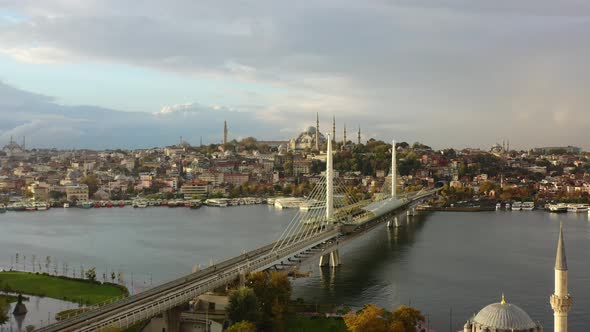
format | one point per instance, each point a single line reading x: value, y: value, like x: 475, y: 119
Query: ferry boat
x: 217, y: 202
x: 30, y: 207
x: 87, y: 205
x: 41, y: 206
x: 109, y: 204
x: 516, y: 206
x: 140, y: 204
x: 528, y: 206
x: 121, y: 204
x: 577, y: 208
x: 558, y: 208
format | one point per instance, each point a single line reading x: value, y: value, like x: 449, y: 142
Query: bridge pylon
x: 332, y: 258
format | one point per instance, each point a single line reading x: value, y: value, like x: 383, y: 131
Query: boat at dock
x: 577, y: 208
x: 516, y: 206
x: 528, y: 206
x: 557, y: 208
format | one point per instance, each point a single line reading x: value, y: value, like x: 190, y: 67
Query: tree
x: 273, y: 292
x: 370, y: 318
x: 113, y: 277
x: 243, y: 305
x: 91, y: 274
x: 92, y: 182
x: 243, y: 326
x: 408, y: 316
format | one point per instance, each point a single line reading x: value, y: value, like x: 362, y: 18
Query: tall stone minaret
x: 317, y: 131
x: 344, y: 136
x: 359, y: 138
x: 334, y: 129
x: 561, y: 301
x: 224, y: 132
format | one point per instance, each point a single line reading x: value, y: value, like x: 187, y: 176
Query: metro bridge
x: 315, y: 234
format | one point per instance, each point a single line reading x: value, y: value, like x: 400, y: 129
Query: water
x: 41, y: 311
x: 462, y: 261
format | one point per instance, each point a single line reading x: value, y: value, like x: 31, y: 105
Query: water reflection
x: 41, y: 312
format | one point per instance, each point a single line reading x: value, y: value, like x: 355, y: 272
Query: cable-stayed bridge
x: 331, y: 217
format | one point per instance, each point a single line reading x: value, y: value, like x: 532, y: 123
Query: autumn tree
x: 370, y: 318
x: 408, y: 317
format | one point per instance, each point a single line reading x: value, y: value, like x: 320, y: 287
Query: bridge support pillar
x: 324, y: 260
x: 172, y: 319
x: 334, y: 258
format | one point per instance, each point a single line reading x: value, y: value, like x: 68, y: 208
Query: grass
x: 61, y: 288
x: 296, y: 323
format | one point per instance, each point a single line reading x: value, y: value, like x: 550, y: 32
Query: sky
x: 448, y: 73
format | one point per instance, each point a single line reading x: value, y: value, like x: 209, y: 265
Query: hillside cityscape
x: 250, y: 167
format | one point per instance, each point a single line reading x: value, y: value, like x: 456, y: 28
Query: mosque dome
x: 504, y: 316
x: 310, y: 130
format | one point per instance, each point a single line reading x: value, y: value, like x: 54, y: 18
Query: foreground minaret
x: 561, y: 301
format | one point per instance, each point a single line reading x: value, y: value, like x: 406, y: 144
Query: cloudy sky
x: 122, y: 73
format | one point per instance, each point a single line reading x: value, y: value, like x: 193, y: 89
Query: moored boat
x: 528, y: 206
x: 2, y: 208
x: 86, y: 205
x: 41, y: 206
x: 66, y: 205
x: 577, y: 208
x: 516, y: 206
x: 558, y: 208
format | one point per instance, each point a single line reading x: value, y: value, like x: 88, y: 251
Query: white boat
x: 558, y: 208
x: 507, y: 206
x: 66, y: 205
x: 498, y: 206
x: 41, y: 206
x: 140, y: 204
x: 217, y: 202
x: 577, y: 208
x: 516, y: 206
x: 528, y: 206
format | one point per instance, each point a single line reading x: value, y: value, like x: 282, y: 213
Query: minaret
x: 393, y: 171
x: 317, y: 131
x: 561, y: 301
x: 224, y: 132
x: 334, y: 129
x: 508, y: 146
x: 359, y: 138
x: 344, y: 137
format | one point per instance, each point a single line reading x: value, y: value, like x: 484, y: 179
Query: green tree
x: 243, y: 305
x: 92, y: 182
x: 243, y: 326
x: 91, y: 274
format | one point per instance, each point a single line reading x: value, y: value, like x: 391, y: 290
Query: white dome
x: 504, y: 316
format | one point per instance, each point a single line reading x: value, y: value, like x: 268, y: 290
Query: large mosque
x: 507, y: 317
x: 313, y: 139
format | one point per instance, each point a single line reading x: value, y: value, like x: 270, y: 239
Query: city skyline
x: 413, y: 71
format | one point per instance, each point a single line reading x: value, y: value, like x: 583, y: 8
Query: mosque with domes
x: 508, y: 317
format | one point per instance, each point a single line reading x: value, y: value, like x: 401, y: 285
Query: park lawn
x: 58, y: 288
x: 296, y: 323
